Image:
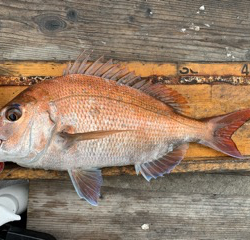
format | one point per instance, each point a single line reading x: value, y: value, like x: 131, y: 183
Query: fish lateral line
x: 156, y: 111
x: 161, y: 112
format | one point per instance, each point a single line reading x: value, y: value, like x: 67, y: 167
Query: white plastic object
x: 13, y: 201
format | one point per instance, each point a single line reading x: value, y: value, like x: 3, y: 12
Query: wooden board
x: 205, y: 100
x: 55, y: 208
x: 26, y: 73
x: 140, y: 30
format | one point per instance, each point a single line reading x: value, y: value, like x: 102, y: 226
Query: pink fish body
x: 98, y: 115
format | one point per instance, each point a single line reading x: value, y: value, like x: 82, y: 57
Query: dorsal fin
x: 111, y: 71
x: 167, y: 95
x: 162, y: 93
x: 107, y: 70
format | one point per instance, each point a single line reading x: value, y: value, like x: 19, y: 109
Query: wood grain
x: 140, y: 30
x: 53, y: 69
x: 25, y: 73
x: 55, y: 208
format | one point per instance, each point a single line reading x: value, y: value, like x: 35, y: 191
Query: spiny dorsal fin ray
x: 107, y: 70
x: 80, y: 63
x: 115, y: 72
x: 104, y: 68
x: 95, y: 66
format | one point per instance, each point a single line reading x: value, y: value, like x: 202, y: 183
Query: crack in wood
x: 168, y: 80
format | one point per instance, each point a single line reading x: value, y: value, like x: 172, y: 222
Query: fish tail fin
x: 221, y: 129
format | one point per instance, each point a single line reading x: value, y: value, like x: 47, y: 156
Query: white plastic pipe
x: 13, y: 201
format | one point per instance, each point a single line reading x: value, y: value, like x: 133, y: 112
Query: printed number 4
x: 244, y: 70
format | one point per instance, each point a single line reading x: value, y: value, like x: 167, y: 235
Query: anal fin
x: 87, y: 184
x: 165, y: 164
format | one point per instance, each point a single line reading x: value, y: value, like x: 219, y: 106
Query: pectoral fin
x: 87, y: 184
x: 72, y: 138
x: 163, y: 165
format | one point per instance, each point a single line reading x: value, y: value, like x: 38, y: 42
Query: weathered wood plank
x: 126, y: 30
x: 55, y: 208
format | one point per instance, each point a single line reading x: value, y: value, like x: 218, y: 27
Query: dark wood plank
x: 126, y: 30
x: 55, y: 208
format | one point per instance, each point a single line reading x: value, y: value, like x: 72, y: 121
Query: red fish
x: 99, y: 115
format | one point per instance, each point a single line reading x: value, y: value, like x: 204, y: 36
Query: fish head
x: 25, y: 128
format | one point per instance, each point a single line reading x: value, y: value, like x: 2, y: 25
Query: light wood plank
x: 205, y: 101
x: 52, y: 69
x: 126, y: 30
x: 55, y: 208
x: 7, y: 93
x: 214, y: 69
x: 24, y: 73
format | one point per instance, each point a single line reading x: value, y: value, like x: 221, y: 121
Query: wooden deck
x: 156, y: 31
x: 204, y: 207
x: 163, y: 40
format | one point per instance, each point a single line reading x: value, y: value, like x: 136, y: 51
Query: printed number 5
x: 244, y: 70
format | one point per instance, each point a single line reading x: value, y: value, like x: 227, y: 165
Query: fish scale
x: 148, y: 131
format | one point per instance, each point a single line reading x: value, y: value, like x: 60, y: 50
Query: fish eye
x: 13, y: 114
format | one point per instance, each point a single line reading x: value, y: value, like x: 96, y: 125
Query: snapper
x: 100, y: 115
